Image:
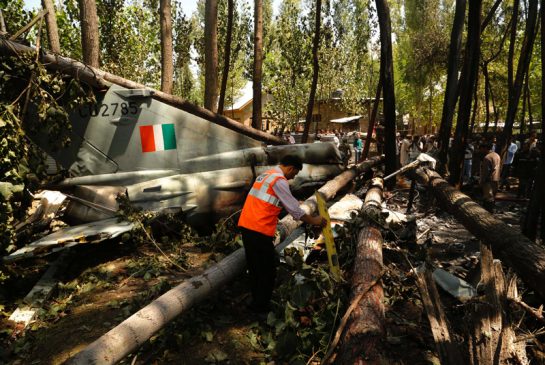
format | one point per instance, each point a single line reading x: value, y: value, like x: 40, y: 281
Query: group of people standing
x: 483, y: 161
x: 521, y: 160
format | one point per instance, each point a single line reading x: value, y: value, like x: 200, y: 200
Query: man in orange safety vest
x: 258, y: 224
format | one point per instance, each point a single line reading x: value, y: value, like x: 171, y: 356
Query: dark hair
x: 292, y: 160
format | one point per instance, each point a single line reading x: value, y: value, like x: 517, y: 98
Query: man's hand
x: 314, y: 220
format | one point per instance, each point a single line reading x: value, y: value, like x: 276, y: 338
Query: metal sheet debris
x: 455, y: 286
x: 71, y: 236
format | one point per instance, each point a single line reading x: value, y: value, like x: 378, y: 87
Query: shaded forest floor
x: 103, y: 284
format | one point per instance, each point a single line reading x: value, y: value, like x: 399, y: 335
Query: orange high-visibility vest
x: 262, y: 206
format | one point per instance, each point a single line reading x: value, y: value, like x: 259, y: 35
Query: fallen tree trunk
x: 103, y: 80
x: 138, y: 328
x: 365, y: 328
x: 518, y: 252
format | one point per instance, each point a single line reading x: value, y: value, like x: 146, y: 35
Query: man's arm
x: 282, y: 190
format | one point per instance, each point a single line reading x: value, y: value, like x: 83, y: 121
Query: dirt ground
x: 103, y: 284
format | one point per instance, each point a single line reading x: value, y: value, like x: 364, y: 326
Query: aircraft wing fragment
x: 94, y: 232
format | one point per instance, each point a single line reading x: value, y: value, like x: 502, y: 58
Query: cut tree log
x: 512, y: 350
x: 446, y: 348
x: 138, y: 328
x: 492, y: 339
x: 365, y: 329
x: 486, y: 324
x: 518, y: 252
x: 103, y: 80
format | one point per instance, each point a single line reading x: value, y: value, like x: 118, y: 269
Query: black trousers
x: 262, y: 260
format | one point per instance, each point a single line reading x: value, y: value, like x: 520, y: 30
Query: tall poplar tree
x: 167, y: 66
x: 467, y: 83
x: 89, y: 32
x: 388, y: 89
x: 211, y: 55
x: 51, y: 25
x: 315, y: 70
x: 258, y: 64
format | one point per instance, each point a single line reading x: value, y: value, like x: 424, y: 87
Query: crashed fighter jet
x: 162, y: 158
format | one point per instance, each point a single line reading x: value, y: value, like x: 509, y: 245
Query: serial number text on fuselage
x: 108, y: 110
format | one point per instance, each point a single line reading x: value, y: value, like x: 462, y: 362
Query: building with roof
x: 327, y: 114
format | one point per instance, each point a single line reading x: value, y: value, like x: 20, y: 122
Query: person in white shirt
x: 506, y: 168
x: 336, y: 140
x: 404, y: 150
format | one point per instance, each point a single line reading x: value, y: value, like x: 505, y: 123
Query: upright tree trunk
x: 315, y: 69
x: 490, y: 15
x: 522, y: 69
x: 537, y: 203
x: 512, y: 39
x: 486, y: 96
x: 475, y: 104
x: 542, y: 170
x: 373, y: 117
x: 529, y: 101
x: 51, y: 25
x: 211, y: 55
x: 524, y: 99
x: 388, y: 87
x: 167, y: 66
x: 467, y: 83
x: 2, y: 23
x: 89, y: 32
x: 451, y: 92
x: 227, y: 55
x: 258, y: 62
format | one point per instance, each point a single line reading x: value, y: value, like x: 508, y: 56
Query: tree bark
x: 490, y: 15
x: 529, y: 101
x: 486, y: 316
x: 361, y: 339
x: 524, y: 98
x: 467, y: 83
x: 517, y: 251
x: 2, y: 23
x: 211, y: 55
x: 487, y: 87
x: 447, y: 350
x: 227, y: 55
x: 315, y: 70
x: 451, y: 92
x: 475, y: 104
x: 522, y: 69
x: 388, y: 87
x: 103, y: 80
x: 167, y: 66
x: 51, y: 25
x: 258, y: 64
x: 89, y: 32
x: 373, y: 117
x: 511, y: 53
x: 138, y: 328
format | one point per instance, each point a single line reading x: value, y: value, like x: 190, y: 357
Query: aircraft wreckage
x: 163, y: 153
